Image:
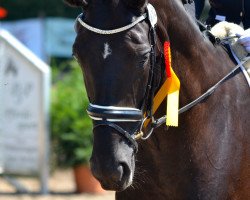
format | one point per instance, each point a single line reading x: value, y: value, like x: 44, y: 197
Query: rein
x: 210, y: 91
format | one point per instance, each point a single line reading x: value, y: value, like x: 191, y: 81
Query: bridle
x: 111, y: 115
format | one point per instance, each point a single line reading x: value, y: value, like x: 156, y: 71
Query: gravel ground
x: 61, y: 186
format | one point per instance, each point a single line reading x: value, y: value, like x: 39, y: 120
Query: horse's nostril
x: 125, y: 169
x: 120, y: 173
x: 117, y: 174
x: 114, y: 174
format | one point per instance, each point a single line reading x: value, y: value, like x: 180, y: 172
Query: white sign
x: 24, y: 105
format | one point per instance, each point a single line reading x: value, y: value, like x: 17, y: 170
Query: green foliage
x: 21, y: 9
x: 70, y: 125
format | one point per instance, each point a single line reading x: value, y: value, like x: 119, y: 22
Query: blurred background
x: 49, y: 159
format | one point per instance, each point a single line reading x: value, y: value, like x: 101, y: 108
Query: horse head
x: 117, y: 70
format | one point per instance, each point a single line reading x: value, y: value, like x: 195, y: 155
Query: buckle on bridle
x: 140, y: 134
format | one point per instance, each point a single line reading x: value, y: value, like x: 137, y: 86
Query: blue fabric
x: 45, y: 38
x: 59, y: 36
x: 199, y: 5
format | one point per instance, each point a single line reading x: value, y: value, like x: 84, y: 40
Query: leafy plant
x: 70, y: 126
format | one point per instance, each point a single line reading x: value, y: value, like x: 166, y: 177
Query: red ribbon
x: 167, y: 56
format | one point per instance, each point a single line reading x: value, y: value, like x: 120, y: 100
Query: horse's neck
x: 195, y: 60
x: 179, y: 159
x: 199, y: 65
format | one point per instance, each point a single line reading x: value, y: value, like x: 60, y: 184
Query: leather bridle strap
x: 187, y: 107
x: 119, y: 130
x: 109, y: 115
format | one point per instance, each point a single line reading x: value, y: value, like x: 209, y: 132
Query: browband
x: 109, y: 32
x: 151, y: 14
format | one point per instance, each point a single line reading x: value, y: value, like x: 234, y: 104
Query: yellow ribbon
x: 173, y: 88
x: 169, y: 89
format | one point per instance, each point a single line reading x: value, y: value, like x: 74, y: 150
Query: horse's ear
x: 138, y: 4
x: 77, y: 3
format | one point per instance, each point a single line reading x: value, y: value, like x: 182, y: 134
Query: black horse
x: 208, y: 155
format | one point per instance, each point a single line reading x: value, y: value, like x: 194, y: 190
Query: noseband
x: 114, y: 114
x: 111, y: 115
